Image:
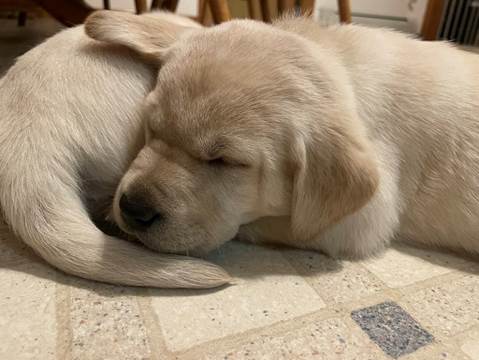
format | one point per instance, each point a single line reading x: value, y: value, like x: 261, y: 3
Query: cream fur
x: 70, y: 125
x: 335, y: 139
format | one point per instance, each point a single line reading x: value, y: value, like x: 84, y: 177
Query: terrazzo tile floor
x: 285, y: 304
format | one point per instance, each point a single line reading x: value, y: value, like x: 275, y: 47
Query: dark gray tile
x: 392, y: 328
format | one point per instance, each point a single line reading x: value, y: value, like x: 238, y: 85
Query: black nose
x: 137, y: 213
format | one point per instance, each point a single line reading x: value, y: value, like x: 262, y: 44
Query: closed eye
x: 219, y: 161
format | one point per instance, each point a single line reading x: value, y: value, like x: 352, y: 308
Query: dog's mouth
x: 148, y: 234
x: 140, y: 224
x: 125, y: 225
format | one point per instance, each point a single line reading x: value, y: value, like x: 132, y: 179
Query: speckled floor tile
x: 470, y: 343
x: 106, y: 323
x: 335, y: 281
x: 392, y: 329
x: 404, y: 265
x: 271, y: 313
x: 27, y: 316
x: 323, y: 340
x: 437, y: 351
x: 449, y: 308
x: 12, y: 250
x: 268, y: 290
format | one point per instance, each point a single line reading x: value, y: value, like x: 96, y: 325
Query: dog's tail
x: 57, y: 226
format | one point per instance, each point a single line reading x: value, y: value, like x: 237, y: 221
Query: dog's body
x: 333, y: 139
x: 419, y: 103
x: 70, y: 124
x: 337, y: 139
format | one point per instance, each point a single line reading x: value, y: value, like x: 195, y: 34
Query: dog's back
x: 420, y: 103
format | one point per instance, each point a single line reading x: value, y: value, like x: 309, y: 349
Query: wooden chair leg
x: 72, y: 12
x: 307, y: 7
x: 106, y: 4
x: 266, y: 10
x: 253, y: 9
x: 202, y: 10
x: 220, y: 11
x: 155, y: 4
x: 285, y: 6
x: 169, y: 5
x: 141, y: 6
x: 22, y: 18
x: 344, y: 9
x: 432, y: 19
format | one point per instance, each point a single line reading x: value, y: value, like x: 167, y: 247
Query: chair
x: 141, y: 6
x: 432, y: 19
x: 20, y: 6
x: 74, y: 12
x: 263, y: 9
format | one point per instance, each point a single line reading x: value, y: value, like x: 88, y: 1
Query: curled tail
x: 57, y: 226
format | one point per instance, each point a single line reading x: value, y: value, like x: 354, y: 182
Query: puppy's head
x: 246, y: 121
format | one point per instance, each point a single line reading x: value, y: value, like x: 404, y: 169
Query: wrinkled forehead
x: 233, y: 38
x: 179, y: 117
x: 221, y: 79
x: 210, y: 55
x: 206, y: 126
x: 235, y: 54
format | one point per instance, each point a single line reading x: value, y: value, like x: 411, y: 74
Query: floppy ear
x: 149, y: 35
x: 335, y: 175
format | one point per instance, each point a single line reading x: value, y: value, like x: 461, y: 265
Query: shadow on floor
x: 14, y: 40
x: 243, y: 261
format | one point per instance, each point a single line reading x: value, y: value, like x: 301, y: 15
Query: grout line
x: 460, y: 336
x: 429, y: 283
x: 280, y: 327
x: 341, y: 311
x: 231, y: 341
x: 310, y: 281
x: 154, y: 334
x: 455, y: 341
x: 63, y: 325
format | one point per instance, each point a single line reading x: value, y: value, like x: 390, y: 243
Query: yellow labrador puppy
x: 335, y: 139
x: 70, y: 124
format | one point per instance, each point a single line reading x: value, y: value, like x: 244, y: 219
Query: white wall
x: 396, y: 8
x: 394, y: 13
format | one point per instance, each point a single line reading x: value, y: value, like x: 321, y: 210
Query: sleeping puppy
x: 333, y: 139
x: 71, y: 123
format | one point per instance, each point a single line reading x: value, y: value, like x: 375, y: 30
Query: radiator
x: 460, y: 22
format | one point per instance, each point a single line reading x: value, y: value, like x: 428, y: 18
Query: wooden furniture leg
x: 169, y: 5
x: 70, y: 13
x: 344, y: 9
x: 432, y: 19
x: 253, y: 9
x: 307, y: 7
x: 219, y: 10
x: 285, y: 5
x: 22, y: 18
x: 141, y: 6
x: 266, y: 10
